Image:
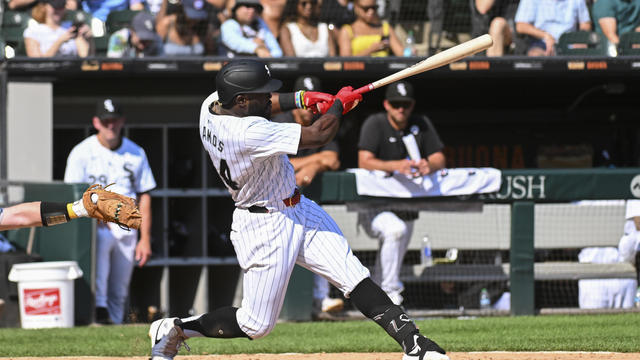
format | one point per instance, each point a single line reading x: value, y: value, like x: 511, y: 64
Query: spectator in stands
x: 272, y: 11
x: 546, y: 20
x: 381, y: 147
x: 154, y: 6
x: 185, y: 29
x: 496, y: 18
x: 302, y: 35
x: 24, y: 5
x: 336, y: 13
x: 308, y: 164
x: 50, y: 38
x: 613, y: 293
x: 101, y: 8
x: 246, y: 34
x: 616, y: 17
x: 138, y: 40
x: 368, y: 35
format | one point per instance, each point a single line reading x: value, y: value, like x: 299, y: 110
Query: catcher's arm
x: 37, y: 213
x: 108, y: 206
x: 21, y: 216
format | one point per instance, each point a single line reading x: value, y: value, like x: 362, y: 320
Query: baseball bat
x: 448, y: 56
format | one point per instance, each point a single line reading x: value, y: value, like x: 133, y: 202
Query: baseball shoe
x: 424, y: 349
x: 166, y: 338
x: 332, y: 305
x: 102, y: 316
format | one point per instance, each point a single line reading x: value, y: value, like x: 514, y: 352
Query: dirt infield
x: 381, y: 356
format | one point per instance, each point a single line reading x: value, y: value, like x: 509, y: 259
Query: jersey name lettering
x: 212, y: 139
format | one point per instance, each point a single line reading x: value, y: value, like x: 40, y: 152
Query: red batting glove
x: 348, y: 98
x: 311, y: 99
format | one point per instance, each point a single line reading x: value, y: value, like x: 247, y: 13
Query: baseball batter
x: 274, y: 227
x: 106, y: 158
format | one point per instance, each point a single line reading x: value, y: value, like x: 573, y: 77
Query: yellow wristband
x: 72, y: 214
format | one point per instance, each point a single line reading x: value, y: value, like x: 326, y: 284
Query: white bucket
x: 46, y: 293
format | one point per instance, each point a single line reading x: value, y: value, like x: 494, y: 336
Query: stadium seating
x: 582, y: 43
x: 629, y: 44
x: 2, y: 46
x: 77, y: 16
x: 13, y: 25
x: 119, y: 19
x: 101, y: 45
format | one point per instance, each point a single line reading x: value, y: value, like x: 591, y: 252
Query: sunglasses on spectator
x: 305, y: 3
x: 367, y: 8
x: 401, y: 104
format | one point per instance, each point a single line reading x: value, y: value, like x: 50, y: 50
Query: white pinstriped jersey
x: 250, y: 155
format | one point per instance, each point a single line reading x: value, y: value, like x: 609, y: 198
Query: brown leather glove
x: 112, y: 207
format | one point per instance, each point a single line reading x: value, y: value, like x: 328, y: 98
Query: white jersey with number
x: 250, y: 155
x: 249, y: 151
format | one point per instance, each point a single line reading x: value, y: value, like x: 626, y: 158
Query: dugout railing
x: 535, y: 210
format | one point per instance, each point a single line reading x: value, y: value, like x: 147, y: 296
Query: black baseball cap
x: 399, y: 91
x: 108, y: 109
x: 309, y: 83
x: 57, y: 4
x: 143, y: 26
x: 195, y: 9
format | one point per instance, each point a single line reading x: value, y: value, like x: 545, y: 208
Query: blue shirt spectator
x: 546, y: 20
x: 247, y: 34
x: 101, y: 8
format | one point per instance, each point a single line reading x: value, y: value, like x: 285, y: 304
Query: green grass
x: 618, y: 333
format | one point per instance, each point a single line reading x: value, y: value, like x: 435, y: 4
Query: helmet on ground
x: 244, y: 77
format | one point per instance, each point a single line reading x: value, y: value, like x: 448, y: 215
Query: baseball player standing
x: 381, y: 147
x: 274, y: 227
x: 105, y: 158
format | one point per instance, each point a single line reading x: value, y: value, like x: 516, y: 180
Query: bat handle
x: 364, y: 89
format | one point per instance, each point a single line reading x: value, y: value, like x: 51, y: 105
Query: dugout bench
x: 506, y: 221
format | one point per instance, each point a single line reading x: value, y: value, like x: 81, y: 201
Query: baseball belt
x: 288, y: 202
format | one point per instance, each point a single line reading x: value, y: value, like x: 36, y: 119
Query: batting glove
x: 348, y: 98
x: 311, y: 99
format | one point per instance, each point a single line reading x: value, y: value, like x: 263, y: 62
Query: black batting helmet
x: 244, y: 77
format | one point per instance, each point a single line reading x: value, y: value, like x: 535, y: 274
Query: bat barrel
x: 446, y: 57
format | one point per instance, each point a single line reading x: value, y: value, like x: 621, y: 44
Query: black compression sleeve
x: 287, y: 101
x: 53, y: 213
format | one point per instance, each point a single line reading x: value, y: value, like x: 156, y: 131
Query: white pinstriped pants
x: 269, y: 245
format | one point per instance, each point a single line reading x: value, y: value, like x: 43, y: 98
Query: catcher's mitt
x: 106, y: 205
